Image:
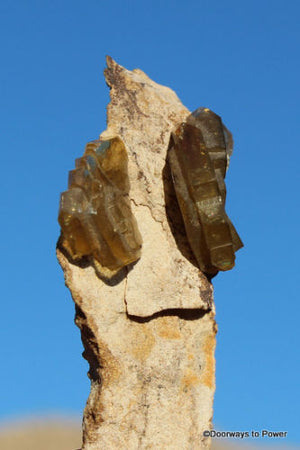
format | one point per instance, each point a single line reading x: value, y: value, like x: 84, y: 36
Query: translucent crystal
x: 95, y: 213
x: 199, y: 154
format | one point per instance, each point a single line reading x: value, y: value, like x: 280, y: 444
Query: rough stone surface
x: 148, y: 333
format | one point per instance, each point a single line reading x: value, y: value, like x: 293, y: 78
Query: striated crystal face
x: 95, y: 214
x: 199, y: 153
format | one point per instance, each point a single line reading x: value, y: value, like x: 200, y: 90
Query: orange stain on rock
x: 167, y: 327
x: 189, y: 379
x: 142, y: 343
x: 208, y: 376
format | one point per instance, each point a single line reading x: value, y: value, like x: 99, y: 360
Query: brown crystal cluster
x: 95, y: 214
x: 199, y: 155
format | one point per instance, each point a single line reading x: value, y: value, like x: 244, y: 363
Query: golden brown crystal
x: 199, y: 154
x: 95, y: 214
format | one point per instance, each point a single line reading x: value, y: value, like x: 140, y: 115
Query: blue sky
x: 241, y: 59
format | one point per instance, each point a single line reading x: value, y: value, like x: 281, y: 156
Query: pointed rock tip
x: 109, y: 61
x: 112, y: 71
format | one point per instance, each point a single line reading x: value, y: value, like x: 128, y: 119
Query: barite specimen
x: 95, y: 214
x: 199, y: 153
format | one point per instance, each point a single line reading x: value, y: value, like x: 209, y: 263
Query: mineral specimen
x: 95, y: 214
x: 199, y: 153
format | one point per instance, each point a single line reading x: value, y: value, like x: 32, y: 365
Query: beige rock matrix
x: 148, y: 327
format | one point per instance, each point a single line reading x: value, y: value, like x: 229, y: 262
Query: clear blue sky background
x: 240, y: 59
